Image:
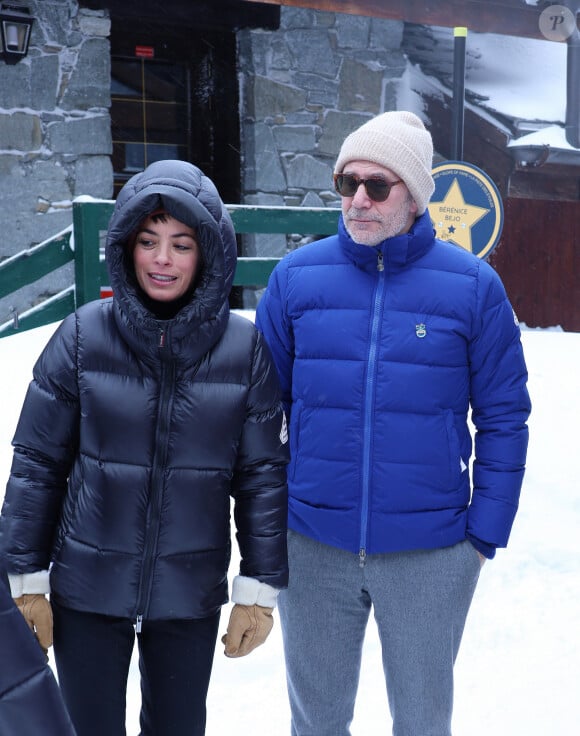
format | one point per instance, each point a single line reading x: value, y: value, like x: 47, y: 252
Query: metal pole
x: 460, y: 38
x: 573, y: 90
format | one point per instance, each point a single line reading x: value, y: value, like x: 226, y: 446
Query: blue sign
x: 466, y: 208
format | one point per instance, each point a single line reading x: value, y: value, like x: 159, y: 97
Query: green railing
x: 83, y: 243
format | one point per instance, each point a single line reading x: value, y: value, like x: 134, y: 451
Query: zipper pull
x: 162, y: 338
x: 138, y: 623
x: 362, y: 556
x: 380, y: 262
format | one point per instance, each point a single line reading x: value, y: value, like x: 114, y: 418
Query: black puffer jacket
x: 30, y: 701
x: 135, y: 432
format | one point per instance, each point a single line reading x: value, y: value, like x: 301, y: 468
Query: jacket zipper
x: 369, y: 406
x: 167, y: 381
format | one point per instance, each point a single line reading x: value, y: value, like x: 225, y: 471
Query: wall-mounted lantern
x: 15, y: 26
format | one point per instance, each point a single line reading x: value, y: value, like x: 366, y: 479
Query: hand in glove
x: 248, y: 627
x: 38, y: 615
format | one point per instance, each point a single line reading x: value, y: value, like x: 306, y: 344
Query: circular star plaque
x: 466, y: 207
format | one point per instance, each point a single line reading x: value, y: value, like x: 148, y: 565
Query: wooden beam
x: 507, y: 17
x: 222, y: 15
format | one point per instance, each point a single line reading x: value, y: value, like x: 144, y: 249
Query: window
x: 149, y: 114
x: 174, y: 94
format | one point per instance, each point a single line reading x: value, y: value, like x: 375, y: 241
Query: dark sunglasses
x: 376, y: 188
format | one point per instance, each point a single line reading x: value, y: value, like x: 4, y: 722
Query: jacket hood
x: 184, y: 191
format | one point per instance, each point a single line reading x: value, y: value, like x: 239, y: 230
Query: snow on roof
x: 552, y: 135
x: 523, y: 78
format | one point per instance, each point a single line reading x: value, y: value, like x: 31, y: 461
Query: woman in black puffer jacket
x: 147, y: 411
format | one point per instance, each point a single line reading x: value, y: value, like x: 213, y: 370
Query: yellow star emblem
x: 453, y: 217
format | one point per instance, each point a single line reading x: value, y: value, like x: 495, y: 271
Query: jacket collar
x: 397, y: 252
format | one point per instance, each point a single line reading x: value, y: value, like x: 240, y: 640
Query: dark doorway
x: 174, y: 94
x: 174, y: 86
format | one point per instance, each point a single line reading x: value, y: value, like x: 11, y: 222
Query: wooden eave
x: 224, y: 14
x: 508, y: 17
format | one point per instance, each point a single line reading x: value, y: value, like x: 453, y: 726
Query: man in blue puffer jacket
x: 384, y: 338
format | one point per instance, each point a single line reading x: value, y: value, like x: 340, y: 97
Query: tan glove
x: 38, y: 615
x: 248, y: 627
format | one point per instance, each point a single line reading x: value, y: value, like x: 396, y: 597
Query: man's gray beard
x: 390, y: 227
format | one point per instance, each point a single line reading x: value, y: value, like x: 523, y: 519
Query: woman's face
x: 166, y: 257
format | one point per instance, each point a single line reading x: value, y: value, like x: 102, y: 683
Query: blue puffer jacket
x: 381, y: 351
x: 30, y: 701
x: 135, y: 432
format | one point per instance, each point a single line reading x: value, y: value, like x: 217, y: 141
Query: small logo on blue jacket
x: 420, y: 330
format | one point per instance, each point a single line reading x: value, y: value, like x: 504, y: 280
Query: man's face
x: 368, y: 222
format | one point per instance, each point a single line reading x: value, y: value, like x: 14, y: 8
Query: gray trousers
x: 420, y: 601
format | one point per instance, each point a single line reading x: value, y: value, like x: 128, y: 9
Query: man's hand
x: 38, y: 615
x: 248, y: 627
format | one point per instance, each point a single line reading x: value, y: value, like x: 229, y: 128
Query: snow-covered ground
x: 518, y: 670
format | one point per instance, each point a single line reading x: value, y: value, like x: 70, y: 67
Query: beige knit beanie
x: 398, y: 141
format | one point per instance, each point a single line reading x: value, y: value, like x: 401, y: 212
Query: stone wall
x: 55, y: 133
x: 303, y: 89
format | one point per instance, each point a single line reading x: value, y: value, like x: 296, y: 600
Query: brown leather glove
x: 248, y: 627
x: 38, y: 615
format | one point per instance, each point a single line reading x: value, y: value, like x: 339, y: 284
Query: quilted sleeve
x: 274, y: 324
x: 259, y: 485
x: 44, y: 444
x: 500, y: 409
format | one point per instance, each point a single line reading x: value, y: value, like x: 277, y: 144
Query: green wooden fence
x: 83, y: 243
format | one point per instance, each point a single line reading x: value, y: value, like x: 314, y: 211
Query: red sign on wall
x: 146, y: 52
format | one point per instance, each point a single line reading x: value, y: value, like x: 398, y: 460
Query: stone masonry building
x: 302, y: 88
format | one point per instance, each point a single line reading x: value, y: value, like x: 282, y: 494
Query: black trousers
x: 93, y: 655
